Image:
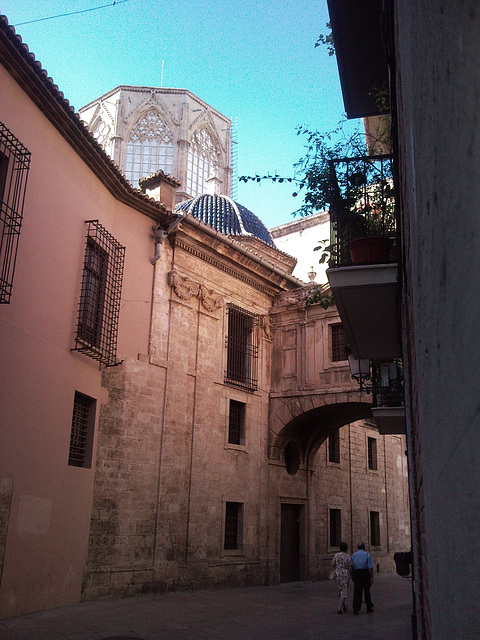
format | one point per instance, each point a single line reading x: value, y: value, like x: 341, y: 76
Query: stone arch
x: 309, y: 420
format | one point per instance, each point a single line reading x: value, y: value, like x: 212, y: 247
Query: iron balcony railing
x: 362, y: 210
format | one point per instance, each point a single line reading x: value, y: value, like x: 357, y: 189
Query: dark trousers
x: 361, y: 582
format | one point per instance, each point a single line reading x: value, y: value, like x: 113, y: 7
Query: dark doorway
x: 290, y: 543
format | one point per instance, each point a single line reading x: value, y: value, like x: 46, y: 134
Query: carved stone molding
x: 185, y: 289
x: 267, y: 325
x: 210, y: 300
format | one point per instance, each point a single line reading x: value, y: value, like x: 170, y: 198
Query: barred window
x: 14, y: 166
x: 338, y: 341
x: 233, y: 525
x: 372, y: 454
x: 334, y: 447
x: 99, y: 307
x: 242, y: 349
x: 81, y: 437
x: 375, y: 529
x: 236, y: 422
x: 335, y: 527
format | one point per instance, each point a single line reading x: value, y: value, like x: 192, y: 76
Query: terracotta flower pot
x: 370, y: 250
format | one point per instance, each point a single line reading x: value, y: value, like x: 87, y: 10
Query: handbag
x: 331, y: 575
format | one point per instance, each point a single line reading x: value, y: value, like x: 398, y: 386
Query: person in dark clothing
x: 361, y: 570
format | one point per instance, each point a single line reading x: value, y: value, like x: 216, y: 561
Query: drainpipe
x: 160, y: 235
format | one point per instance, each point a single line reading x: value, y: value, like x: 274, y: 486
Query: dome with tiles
x: 227, y: 216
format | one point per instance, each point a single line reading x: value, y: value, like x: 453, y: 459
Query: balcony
x: 363, y: 267
x: 388, y: 399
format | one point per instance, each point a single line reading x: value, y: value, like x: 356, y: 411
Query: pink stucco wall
x: 49, y: 518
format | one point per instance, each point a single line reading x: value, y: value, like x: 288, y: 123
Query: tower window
x: 99, y: 306
x: 14, y: 166
x: 149, y: 148
x: 233, y: 525
x: 334, y: 447
x: 338, y: 342
x: 242, y: 349
x: 372, y: 454
x: 236, y: 422
x: 202, y: 158
x: 81, y: 436
x: 374, y: 528
x: 335, y: 527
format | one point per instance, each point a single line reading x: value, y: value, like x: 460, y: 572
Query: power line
x: 72, y: 13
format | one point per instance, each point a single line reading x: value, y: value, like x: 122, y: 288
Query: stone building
x: 174, y: 414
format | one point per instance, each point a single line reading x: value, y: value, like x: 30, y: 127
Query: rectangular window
x: 374, y: 528
x: 334, y: 447
x: 236, y: 422
x: 81, y: 437
x: 14, y: 166
x: 339, y: 343
x: 233, y: 525
x: 98, y: 311
x: 372, y: 454
x: 335, y: 527
x: 242, y: 349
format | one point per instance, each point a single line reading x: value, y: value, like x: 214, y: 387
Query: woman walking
x: 341, y: 565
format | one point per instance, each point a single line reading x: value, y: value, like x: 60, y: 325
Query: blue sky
x: 252, y: 60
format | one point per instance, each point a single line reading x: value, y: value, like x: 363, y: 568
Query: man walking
x: 361, y: 570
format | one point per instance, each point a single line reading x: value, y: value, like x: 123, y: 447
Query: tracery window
x: 202, y: 157
x: 101, y: 132
x: 149, y: 148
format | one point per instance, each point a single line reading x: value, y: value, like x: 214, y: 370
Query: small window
x: 81, y: 437
x: 372, y: 454
x: 335, y: 527
x: 374, y: 528
x: 334, y: 447
x: 339, y: 343
x: 233, y: 525
x: 99, y: 306
x: 14, y: 166
x: 236, y: 423
x: 242, y: 349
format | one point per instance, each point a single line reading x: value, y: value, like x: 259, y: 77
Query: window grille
x: 14, y: 166
x: 338, y: 342
x: 334, y: 447
x: 236, y: 423
x: 372, y: 454
x: 335, y: 527
x: 81, y: 437
x: 233, y: 522
x: 242, y: 349
x: 375, y: 529
x: 98, y: 311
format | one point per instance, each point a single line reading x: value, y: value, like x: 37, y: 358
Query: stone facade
x: 166, y: 469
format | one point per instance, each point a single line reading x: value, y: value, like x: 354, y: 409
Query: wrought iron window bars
x: 99, y: 306
x: 14, y: 166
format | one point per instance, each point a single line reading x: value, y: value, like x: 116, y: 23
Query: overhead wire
x: 72, y: 13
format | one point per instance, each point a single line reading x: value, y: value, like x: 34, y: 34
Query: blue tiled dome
x: 226, y: 216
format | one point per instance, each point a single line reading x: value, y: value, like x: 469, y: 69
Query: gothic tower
x: 144, y: 129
